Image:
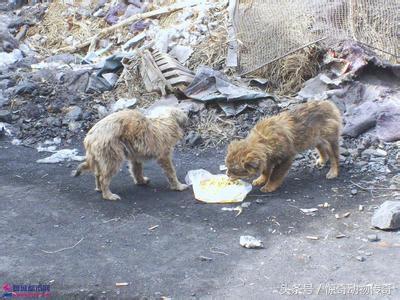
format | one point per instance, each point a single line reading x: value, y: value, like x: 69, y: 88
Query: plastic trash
x: 210, y: 188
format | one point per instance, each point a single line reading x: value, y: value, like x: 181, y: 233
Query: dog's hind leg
x: 97, y: 178
x: 106, y: 172
x: 81, y: 168
x: 323, y: 154
x: 136, y: 170
x: 169, y: 169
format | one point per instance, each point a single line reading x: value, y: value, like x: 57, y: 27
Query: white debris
x: 123, y: 104
x: 55, y: 141
x: 246, y: 204
x: 223, y: 168
x: 16, y: 142
x: 10, y: 58
x: 40, y: 148
x: 5, y: 127
x: 308, y: 210
x: 250, y: 242
x: 181, y: 53
x: 62, y: 155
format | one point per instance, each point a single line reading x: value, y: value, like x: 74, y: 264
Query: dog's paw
x: 144, y: 181
x: 112, y: 197
x: 320, y: 163
x: 332, y: 174
x: 268, y: 189
x: 258, y: 181
x: 180, y: 187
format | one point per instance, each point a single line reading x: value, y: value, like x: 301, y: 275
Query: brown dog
x: 130, y: 135
x: 273, y: 143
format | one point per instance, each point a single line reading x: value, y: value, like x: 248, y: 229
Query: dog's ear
x: 255, y: 165
x: 251, y: 161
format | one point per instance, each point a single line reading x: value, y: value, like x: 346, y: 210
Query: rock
x: 387, y: 216
x: 97, y: 84
x: 74, y: 113
x: 5, y: 116
x: 111, y: 78
x: 193, y: 139
x: 250, y: 242
x: 25, y: 87
x: 360, y: 258
x: 101, y: 111
x: 374, y: 152
x: 373, y: 238
x: 123, y: 104
x: 10, y: 58
x: 74, y: 126
x: 354, y: 191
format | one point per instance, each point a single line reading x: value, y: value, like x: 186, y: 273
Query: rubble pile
x: 66, y: 64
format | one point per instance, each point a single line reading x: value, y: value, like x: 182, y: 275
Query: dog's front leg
x: 168, y: 167
x: 278, y: 174
x: 264, y: 176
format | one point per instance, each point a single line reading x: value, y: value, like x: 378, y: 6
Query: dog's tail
x: 81, y: 168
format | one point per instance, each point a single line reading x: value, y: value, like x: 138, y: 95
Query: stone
x: 74, y: 126
x: 5, y: 116
x: 354, y: 192
x: 374, y: 152
x: 123, y: 104
x: 25, y: 87
x: 193, y: 139
x: 360, y: 258
x: 111, y: 78
x: 101, y: 111
x: 387, y: 216
x: 74, y: 113
x: 373, y: 238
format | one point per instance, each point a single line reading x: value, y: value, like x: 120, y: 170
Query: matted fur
x: 272, y: 144
x: 129, y: 135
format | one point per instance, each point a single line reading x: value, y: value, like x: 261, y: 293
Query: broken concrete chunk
x: 373, y: 238
x: 387, y: 127
x: 250, y: 242
x: 193, y: 139
x: 74, y: 113
x: 387, y: 216
x: 123, y: 104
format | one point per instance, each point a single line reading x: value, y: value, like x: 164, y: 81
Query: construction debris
x: 387, y: 216
x: 250, y: 242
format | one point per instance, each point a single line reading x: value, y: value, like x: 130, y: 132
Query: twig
x: 62, y: 249
x: 374, y: 188
x: 218, y: 252
x: 115, y: 219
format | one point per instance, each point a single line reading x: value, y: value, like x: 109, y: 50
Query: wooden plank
x: 233, y: 48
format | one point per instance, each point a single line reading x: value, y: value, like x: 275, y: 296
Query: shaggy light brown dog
x: 129, y: 135
x: 273, y: 143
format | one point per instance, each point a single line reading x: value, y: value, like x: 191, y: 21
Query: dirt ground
x: 43, y: 208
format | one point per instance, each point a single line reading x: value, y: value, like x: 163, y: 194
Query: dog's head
x: 180, y: 116
x: 242, y: 160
